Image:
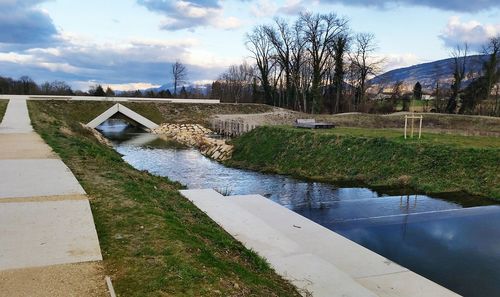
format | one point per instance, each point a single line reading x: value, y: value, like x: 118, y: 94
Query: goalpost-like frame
x: 413, y: 118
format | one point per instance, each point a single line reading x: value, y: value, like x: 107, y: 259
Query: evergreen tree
x: 110, y: 92
x: 417, y: 91
x: 97, y: 91
x: 183, y: 94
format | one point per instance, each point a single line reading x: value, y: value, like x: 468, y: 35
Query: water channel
x: 452, y: 242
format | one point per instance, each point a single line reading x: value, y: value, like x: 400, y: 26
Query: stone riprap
x: 195, y: 135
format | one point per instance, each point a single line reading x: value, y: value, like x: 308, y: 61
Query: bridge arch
x: 125, y: 111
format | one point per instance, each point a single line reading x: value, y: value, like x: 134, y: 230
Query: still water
x: 455, y: 244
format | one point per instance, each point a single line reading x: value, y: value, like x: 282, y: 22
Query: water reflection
x: 459, y: 249
x: 442, y: 240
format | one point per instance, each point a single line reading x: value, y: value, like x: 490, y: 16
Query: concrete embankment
x: 48, y: 241
x: 195, y: 135
x: 318, y: 261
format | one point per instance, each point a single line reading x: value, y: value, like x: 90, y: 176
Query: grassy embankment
x: 379, y: 158
x: 154, y: 242
x: 3, y: 107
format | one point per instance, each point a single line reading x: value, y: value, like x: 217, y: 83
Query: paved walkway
x: 111, y: 99
x: 312, y: 257
x: 47, y: 232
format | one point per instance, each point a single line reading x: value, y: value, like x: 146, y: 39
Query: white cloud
x: 125, y: 64
x: 206, y: 59
x: 472, y: 32
x: 453, y: 5
x: 229, y: 23
x: 293, y: 7
x: 30, y: 59
x: 394, y: 61
x: 264, y: 8
x: 132, y: 86
x: 189, y: 14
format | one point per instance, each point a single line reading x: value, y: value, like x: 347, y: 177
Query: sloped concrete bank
x: 318, y: 261
x: 195, y: 135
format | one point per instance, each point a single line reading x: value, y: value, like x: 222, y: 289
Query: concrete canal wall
x: 318, y: 261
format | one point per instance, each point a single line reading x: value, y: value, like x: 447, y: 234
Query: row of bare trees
x: 304, y: 65
x: 27, y: 86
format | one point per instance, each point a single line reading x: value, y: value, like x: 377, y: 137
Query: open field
x: 432, y: 122
x: 154, y: 242
x: 378, y: 158
x: 3, y: 107
x: 432, y: 137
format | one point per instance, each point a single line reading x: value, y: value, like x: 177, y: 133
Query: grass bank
x: 161, y: 112
x: 3, y: 108
x: 154, y: 242
x: 434, y: 164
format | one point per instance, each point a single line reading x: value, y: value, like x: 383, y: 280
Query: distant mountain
x: 427, y: 74
x: 203, y: 89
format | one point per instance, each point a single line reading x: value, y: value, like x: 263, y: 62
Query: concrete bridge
x: 119, y: 109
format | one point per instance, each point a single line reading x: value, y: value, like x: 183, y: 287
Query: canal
x: 454, y: 242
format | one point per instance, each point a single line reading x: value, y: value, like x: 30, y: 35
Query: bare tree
x: 364, y: 62
x: 282, y: 39
x: 320, y: 31
x: 179, y: 74
x: 459, y: 55
x: 492, y: 66
x: 481, y: 88
x: 258, y: 43
x: 298, y: 60
x: 236, y: 83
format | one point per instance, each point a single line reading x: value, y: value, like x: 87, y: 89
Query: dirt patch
x: 84, y: 279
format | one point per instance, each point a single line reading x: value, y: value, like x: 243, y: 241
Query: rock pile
x: 195, y: 135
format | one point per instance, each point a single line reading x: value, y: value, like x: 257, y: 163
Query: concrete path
x: 111, y: 99
x: 46, y: 223
x: 312, y: 257
x: 16, y: 118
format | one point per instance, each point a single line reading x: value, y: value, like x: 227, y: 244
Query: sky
x: 130, y: 44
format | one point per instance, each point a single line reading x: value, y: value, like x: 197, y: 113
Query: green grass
x: 3, y: 108
x: 378, y: 158
x: 154, y: 242
x: 397, y: 135
x: 451, y: 124
x: 159, y: 112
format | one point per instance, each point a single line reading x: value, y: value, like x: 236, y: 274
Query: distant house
x: 382, y: 96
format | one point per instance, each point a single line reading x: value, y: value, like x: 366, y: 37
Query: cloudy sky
x: 129, y: 44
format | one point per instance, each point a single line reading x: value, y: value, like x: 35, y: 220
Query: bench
x: 312, y: 124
